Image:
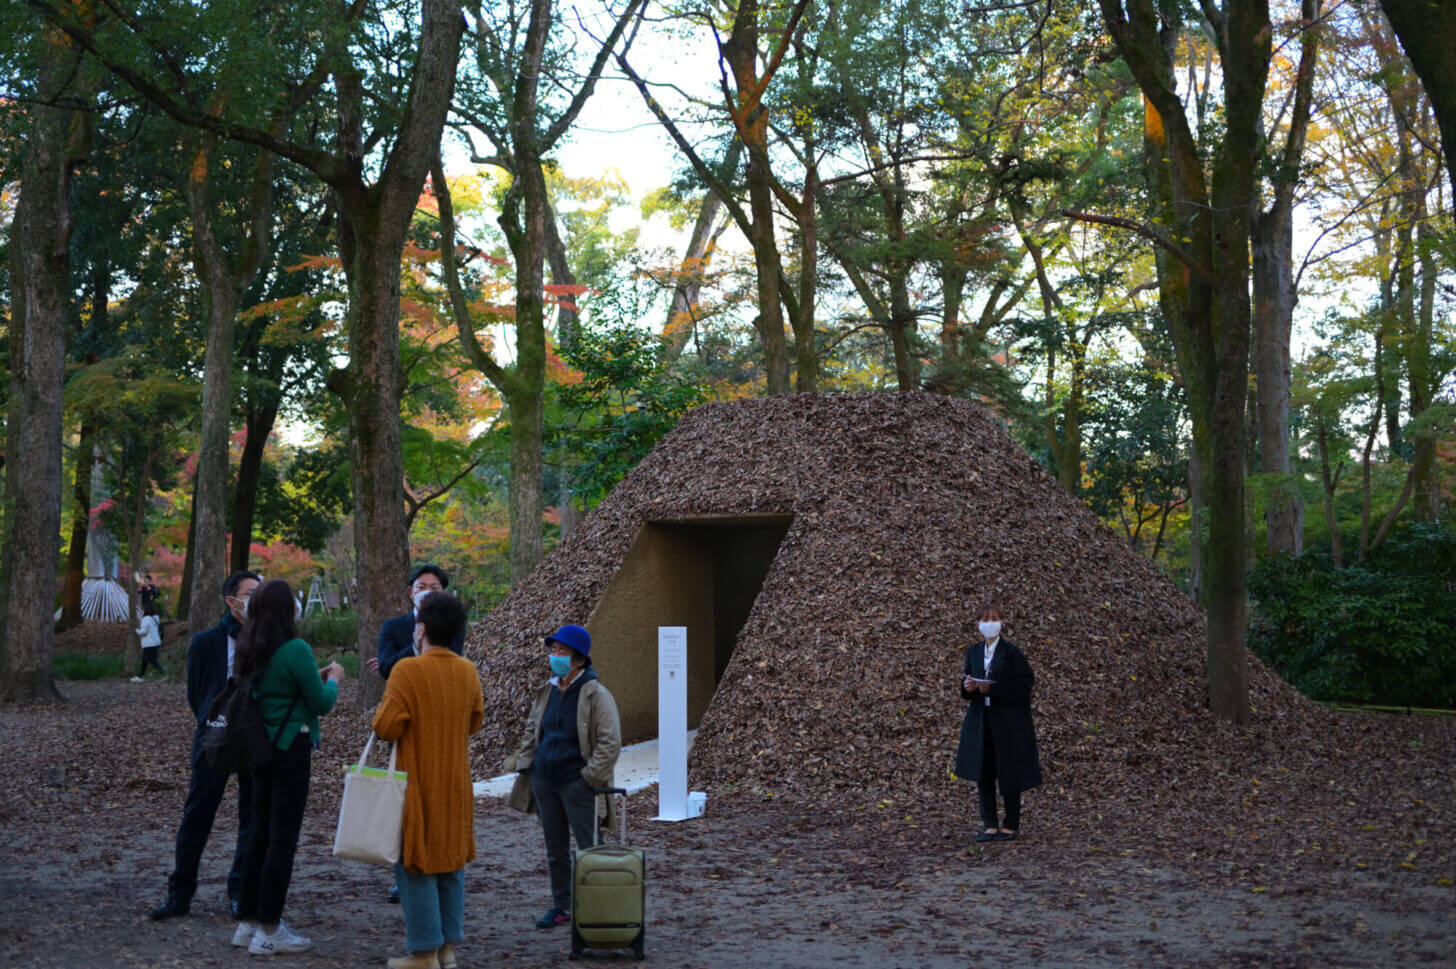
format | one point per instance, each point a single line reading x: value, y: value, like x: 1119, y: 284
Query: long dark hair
x: 269, y: 625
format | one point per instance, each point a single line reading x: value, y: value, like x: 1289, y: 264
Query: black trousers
x: 204, y: 794
x: 987, y: 786
x: 566, y: 808
x: 149, y: 658
x: 280, y: 792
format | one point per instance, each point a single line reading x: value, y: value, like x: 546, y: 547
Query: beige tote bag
x: 371, y: 816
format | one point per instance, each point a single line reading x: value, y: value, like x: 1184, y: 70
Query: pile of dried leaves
x: 99, y: 638
x: 909, y: 511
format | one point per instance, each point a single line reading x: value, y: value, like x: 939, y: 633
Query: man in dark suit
x: 397, y: 636
x: 209, y: 663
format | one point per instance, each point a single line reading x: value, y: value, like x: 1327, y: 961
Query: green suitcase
x: 608, y: 893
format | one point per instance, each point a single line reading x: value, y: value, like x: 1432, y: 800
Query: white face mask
x: 419, y: 597
x: 989, y: 630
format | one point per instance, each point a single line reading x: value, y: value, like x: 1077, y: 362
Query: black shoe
x: 553, y: 918
x: 985, y: 836
x: 1006, y: 836
x: 394, y: 895
x: 171, y: 908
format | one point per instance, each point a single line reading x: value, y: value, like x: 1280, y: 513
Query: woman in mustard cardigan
x: 430, y: 708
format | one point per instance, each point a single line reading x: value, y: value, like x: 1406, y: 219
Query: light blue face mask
x: 560, y: 665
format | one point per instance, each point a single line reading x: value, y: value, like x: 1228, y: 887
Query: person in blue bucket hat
x: 570, y: 746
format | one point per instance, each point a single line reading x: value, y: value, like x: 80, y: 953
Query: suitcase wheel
x: 576, y: 944
x: 639, y: 946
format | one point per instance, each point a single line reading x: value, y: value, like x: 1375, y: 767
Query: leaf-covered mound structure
x: 907, y: 512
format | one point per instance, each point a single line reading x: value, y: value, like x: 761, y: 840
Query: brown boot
x: 427, y: 959
x: 447, y: 956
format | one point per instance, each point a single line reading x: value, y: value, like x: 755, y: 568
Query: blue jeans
x: 434, y: 908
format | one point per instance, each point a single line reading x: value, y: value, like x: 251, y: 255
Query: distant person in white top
x: 998, y: 739
x: 151, y: 634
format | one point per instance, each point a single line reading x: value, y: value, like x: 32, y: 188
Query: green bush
x: 87, y: 666
x: 349, y: 661
x: 1378, y: 632
x: 330, y: 632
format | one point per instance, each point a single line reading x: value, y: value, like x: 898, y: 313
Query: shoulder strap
x: 297, y: 694
x: 286, y: 717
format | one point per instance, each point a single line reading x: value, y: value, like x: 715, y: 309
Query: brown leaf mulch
x: 909, y: 511
x: 99, y: 638
x: 93, y: 790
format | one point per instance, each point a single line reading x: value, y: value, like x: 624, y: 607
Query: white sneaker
x: 137, y: 679
x: 244, y: 934
x: 283, y: 939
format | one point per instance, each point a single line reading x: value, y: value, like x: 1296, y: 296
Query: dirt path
x: 86, y: 848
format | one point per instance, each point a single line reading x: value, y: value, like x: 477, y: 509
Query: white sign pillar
x: 672, y: 723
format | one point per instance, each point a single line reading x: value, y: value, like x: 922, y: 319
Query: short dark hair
x: 230, y: 587
x: 443, y: 617
x: 432, y: 569
x: 149, y: 608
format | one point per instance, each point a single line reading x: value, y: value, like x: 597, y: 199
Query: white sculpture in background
x: 103, y: 598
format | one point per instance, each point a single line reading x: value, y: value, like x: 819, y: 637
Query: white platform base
x: 636, y: 769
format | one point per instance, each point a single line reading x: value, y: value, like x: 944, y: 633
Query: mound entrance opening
x: 702, y: 573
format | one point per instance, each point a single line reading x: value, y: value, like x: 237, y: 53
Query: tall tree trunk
x: 245, y: 493
x: 1330, y: 480
x: 901, y: 328
x: 40, y: 293
x: 524, y: 397
x: 373, y: 224
x: 85, y: 467
x: 1427, y: 32
x: 1274, y: 296
x: 224, y: 280
x: 682, y: 314
x: 209, y: 518
x: 1274, y: 300
x: 568, y: 316
x: 183, y: 607
x: 952, y: 288
x: 80, y: 530
x: 1365, y: 458
x: 527, y: 548
x: 1427, y: 499
x: 1208, y: 287
x: 373, y: 389
x: 741, y: 51
x: 806, y: 352
x: 136, y: 533
x: 1197, y: 523
x: 1069, y: 469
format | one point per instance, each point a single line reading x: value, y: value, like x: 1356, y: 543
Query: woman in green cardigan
x: 291, y: 692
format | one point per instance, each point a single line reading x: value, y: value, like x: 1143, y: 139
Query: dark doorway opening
x: 702, y: 573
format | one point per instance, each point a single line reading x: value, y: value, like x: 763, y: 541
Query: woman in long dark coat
x: 998, y: 740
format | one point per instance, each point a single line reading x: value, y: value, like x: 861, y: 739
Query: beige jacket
x: 598, y: 733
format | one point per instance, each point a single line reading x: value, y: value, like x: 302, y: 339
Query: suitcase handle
x: 621, y: 815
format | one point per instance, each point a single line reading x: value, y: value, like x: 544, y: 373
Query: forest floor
x: 91, y: 791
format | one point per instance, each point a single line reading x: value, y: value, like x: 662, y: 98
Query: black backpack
x: 234, y: 736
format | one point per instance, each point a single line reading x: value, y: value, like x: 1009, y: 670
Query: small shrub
x: 87, y: 666
x: 348, y: 660
x: 330, y: 632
